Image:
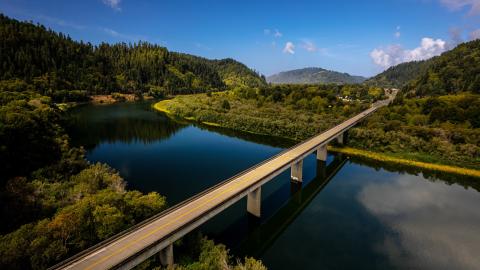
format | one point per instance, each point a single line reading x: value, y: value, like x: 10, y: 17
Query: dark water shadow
x: 89, y: 125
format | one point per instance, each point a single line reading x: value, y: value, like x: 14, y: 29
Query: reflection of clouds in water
x: 438, y: 226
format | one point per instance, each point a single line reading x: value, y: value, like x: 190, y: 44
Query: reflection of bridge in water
x: 263, y: 236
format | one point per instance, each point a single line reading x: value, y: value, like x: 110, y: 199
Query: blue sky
x: 358, y: 37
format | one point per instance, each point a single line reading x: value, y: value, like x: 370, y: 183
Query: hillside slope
x: 455, y: 71
x: 313, y: 75
x: 398, y: 76
x: 52, y: 61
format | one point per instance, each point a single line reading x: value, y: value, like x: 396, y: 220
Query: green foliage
x: 290, y: 111
x: 398, y: 76
x: 206, y: 255
x: 225, y: 105
x: 40, y: 59
x: 75, y: 227
x: 444, y: 129
x: 314, y: 76
x: 30, y: 135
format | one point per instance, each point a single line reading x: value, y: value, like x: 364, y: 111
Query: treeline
x: 48, y: 61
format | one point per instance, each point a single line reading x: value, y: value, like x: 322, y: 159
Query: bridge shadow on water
x: 252, y: 236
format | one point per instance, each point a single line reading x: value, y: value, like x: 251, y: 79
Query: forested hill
x: 452, y: 72
x: 399, y: 75
x: 314, y: 75
x: 457, y: 70
x: 49, y: 61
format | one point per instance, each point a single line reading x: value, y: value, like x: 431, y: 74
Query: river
x: 350, y: 214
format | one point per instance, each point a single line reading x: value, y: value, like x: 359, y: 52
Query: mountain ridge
x: 312, y: 75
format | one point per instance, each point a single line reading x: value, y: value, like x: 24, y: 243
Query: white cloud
x: 475, y: 34
x: 474, y: 5
x: 115, y: 4
x: 274, y: 32
x: 289, y: 48
x: 277, y: 34
x: 309, y: 46
x: 396, y: 54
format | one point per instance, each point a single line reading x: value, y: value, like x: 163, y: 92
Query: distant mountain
x: 399, y: 75
x: 314, y: 75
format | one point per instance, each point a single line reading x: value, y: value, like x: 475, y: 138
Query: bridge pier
x: 254, y: 200
x: 296, y: 171
x: 322, y: 153
x: 166, y: 256
x: 340, y: 139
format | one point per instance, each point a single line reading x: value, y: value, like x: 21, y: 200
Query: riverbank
x: 168, y: 107
x: 116, y: 97
x: 397, y: 160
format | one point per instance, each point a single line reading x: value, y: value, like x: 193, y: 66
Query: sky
x: 358, y: 37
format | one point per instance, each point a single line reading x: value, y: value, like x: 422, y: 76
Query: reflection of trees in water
x: 246, y: 136
x: 465, y: 181
x: 89, y: 128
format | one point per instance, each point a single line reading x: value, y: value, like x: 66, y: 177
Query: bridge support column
x: 322, y: 153
x: 254, y: 200
x: 296, y: 171
x: 166, y: 256
x: 340, y: 139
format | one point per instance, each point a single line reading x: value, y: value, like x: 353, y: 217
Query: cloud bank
x: 396, y: 54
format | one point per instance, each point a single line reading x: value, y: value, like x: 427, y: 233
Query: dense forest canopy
x: 51, y: 61
x: 398, y: 76
x: 452, y: 72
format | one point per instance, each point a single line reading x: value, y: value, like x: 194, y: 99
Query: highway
x: 130, y: 247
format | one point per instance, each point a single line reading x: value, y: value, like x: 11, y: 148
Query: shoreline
x: 161, y: 106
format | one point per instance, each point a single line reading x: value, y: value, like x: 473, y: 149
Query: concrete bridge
x: 157, y: 234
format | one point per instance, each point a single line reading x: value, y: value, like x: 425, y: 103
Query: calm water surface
x: 348, y: 214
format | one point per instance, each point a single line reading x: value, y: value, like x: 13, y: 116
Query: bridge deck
x: 167, y: 227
